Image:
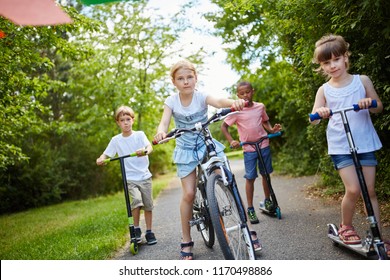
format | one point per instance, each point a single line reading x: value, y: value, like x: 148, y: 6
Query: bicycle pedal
x: 194, y: 222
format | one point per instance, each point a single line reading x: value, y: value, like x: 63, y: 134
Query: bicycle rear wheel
x: 232, y: 233
x: 201, y: 218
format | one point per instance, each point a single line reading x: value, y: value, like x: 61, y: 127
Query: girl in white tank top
x: 343, y: 90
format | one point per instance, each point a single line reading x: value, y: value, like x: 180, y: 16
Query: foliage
x: 33, y: 62
x: 59, y: 89
x: 61, y: 84
x: 271, y: 44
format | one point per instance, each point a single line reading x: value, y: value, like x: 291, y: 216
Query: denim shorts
x: 366, y: 159
x: 251, y: 161
x: 185, y: 169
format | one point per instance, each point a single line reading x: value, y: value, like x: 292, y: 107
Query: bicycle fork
x: 229, y: 181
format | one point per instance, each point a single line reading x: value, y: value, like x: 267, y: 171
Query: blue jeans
x: 251, y: 162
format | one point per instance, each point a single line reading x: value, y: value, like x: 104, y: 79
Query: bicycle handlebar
x: 354, y: 107
x: 177, y: 132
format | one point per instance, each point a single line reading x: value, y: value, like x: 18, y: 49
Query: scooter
x: 133, y: 242
x: 275, y: 209
x: 372, y: 244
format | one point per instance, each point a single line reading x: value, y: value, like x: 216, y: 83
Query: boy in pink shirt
x: 252, y: 124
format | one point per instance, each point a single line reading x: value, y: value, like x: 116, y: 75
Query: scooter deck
x: 366, y: 251
x: 271, y: 213
x: 275, y: 213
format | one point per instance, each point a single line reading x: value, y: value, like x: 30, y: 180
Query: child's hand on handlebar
x: 159, y: 136
x: 100, y: 161
x: 323, y: 112
x: 239, y: 104
x: 235, y: 144
x: 141, y: 152
x: 365, y: 103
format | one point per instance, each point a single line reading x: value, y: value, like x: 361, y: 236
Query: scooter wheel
x: 278, y: 213
x: 134, y: 248
x: 382, y: 253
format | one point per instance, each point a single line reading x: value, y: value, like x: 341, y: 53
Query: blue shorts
x: 251, y: 162
x: 366, y: 159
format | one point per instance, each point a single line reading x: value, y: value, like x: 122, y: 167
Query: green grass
x: 90, y: 229
x: 235, y: 154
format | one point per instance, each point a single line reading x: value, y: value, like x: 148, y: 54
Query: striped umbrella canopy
x: 95, y: 2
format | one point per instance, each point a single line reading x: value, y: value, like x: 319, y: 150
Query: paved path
x: 301, y: 234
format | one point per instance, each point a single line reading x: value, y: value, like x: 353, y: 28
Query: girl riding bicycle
x: 187, y: 108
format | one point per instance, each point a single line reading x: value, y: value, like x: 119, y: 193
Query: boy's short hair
x: 124, y: 110
x: 244, y: 83
x: 182, y: 64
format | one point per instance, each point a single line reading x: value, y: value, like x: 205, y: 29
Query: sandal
x: 256, y: 243
x: 348, y: 235
x: 186, y: 255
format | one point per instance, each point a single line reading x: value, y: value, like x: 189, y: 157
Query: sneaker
x: 138, y: 233
x: 150, y: 238
x: 268, y: 205
x: 252, y: 216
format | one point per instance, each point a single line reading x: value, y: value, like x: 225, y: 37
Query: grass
x: 90, y: 229
x: 235, y: 155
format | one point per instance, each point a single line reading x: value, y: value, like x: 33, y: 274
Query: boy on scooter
x: 139, y: 178
x: 252, y: 124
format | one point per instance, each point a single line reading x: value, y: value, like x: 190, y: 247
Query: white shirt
x: 137, y: 168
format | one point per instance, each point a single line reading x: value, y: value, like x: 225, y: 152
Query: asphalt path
x: 301, y: 234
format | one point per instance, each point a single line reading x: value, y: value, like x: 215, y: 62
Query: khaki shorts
x: 141, y: 194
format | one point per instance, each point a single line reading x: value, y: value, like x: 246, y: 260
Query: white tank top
x: 363, y: 132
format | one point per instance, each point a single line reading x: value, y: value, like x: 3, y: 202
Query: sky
x: 217, y: 75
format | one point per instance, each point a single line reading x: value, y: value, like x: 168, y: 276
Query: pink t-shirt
x: 249, y: 123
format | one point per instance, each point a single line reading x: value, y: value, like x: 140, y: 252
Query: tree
x: 265, y: 35
x: 28, y: 82
x: 59, y: 90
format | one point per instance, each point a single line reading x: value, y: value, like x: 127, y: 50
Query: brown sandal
x: 348, y: 235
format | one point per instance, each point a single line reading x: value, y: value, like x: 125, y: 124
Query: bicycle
x: 133, y: 242
x: 274, y: 210
x: 218, y: 206
x: 372, y: 244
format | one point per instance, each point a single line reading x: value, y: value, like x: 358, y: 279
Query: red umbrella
x: 33, y: 12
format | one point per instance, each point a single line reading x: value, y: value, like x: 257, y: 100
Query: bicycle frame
x: 212, y: 163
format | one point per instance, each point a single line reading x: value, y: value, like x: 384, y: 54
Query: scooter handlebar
x: 354, y: 107
x: 276, y: 134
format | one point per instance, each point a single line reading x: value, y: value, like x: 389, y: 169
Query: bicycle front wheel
x: 232, y: 233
